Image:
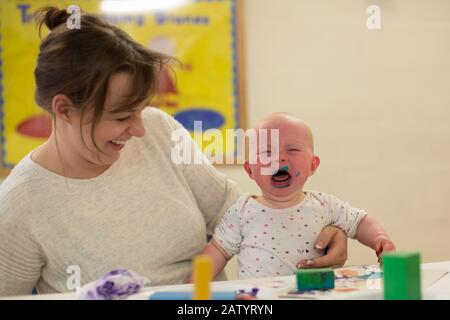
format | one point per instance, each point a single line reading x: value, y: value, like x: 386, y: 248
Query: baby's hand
x: 383, y: 244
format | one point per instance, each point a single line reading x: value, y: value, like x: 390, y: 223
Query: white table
x: 438, y: 290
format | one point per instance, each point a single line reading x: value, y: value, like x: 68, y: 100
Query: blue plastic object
x: 177, y: 295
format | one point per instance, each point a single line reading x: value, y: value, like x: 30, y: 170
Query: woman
x: 102, y: 192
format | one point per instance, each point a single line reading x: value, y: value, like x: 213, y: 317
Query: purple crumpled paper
x: 115, y: 285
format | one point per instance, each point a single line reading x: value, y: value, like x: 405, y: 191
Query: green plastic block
x: 315, y: 279
x: 401, y: 273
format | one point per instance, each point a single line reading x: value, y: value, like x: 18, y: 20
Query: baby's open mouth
x: 281, y: 179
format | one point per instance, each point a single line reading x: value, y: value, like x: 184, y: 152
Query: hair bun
x: 52, y: 17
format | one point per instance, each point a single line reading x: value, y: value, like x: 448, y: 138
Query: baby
x: 273, y: 231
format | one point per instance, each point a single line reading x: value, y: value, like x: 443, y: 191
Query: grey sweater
x: 144, y: 213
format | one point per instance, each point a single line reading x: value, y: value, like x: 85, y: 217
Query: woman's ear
x: 62, y: 107
x: 314, y: 164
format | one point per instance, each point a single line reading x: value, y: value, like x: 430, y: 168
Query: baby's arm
x: 371, y: 234
x: 226, y: 240
x: 357, y: 224
x: 218, y: 256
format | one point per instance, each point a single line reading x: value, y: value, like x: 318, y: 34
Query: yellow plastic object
x: 202, y: 277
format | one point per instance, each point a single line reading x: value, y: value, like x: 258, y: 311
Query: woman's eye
x: 124, y: 118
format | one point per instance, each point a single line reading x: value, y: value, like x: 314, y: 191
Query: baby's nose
x: 283, y: 157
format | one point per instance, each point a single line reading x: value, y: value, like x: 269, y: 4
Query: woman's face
x: 113, y: 129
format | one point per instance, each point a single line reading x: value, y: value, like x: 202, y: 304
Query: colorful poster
x: 203, y: 35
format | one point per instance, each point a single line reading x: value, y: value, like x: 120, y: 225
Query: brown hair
x: 80, y: 62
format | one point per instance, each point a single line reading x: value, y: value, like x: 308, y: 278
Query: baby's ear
x: 314, y: 164
x: 248, y: 169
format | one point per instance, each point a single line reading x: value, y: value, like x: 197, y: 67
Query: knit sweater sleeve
x: 21, y: 258
x: 213, y: 191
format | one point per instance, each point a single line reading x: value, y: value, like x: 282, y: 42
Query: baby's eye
x: 294, y: 150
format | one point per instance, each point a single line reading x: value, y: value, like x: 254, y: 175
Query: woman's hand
x: 335, y: 240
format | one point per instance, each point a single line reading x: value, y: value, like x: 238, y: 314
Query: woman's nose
x: 137, y: 129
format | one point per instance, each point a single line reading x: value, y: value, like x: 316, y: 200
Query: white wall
x: 378, y: 103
